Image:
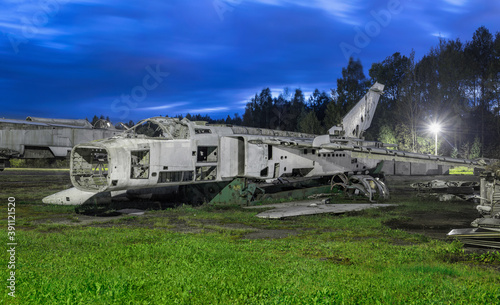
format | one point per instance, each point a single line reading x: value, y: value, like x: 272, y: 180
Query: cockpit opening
x: 160, y: 127
x: 149, y: 129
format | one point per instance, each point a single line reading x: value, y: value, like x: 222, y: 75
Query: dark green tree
x: 409, y: 108
x: 352, y: 86
x: 252, y: 111
x: 390, y: 73
x: 333, y: 112
x: 440, y: 77
x: 280, y: 111
x: 296, y: 112
x: 237, y: 120
x: 94, y: 120
x: 310, y: 124
x: 479, y: 54
x: 318, y: 102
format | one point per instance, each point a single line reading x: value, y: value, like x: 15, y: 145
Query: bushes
x: 39, y: 163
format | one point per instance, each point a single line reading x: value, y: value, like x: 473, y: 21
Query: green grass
x: 333, y: 260
x: 36, y: 169
x: 207, y: 255
x: 152, y: 266
x: 461, y: 170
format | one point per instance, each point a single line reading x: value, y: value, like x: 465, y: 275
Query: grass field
x: 461, y: 170
x: 208, y: 255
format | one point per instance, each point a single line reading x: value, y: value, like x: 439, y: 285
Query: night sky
x: 130, y: 60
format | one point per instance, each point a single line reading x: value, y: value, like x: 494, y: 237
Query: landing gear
x: 365, y: 185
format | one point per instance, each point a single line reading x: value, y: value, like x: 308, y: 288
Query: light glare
x: 435, y: 127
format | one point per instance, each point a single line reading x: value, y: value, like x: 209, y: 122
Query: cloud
x: 162, y: 107
x: 457, y: 2
x: 343, y: 11
x: 208, y: 110
x: 441, y: 35
x: 456, y: 6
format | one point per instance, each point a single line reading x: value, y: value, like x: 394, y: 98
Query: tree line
x: 455, y: 84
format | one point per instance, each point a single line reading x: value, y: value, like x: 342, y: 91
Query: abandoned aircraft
x: 37, y: 138
x: 160, y: 153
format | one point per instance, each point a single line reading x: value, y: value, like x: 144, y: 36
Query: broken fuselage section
x: 167, y: 151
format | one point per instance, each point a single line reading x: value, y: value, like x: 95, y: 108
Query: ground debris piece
x: 450, y: 190
x: 134, y: 212
x: 299, y: 208
x: 484, y: 237
x: 448, y: 186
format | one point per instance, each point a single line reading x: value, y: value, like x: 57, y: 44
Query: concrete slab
x: 298, y: 208
x: 402, y: 168
x: 388, y: 167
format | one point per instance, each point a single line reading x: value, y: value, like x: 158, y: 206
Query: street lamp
x: 435, y: 128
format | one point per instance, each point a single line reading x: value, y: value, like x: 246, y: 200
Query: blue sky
x: 130, y: 60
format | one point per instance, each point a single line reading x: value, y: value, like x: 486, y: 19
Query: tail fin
x: 360, y: 117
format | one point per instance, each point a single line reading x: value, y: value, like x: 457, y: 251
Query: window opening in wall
x: 207, y: 153
x: 206, y: 173
x: 175, y: 176
x: 264, y: 172
x: 139, y: 164
x: 202, y: 131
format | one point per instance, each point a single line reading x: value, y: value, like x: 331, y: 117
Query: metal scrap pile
x: 483, y: 237
x: 448, y: 190
x: 489, y: 207
x: 487, y: 228
x: 364, y: 185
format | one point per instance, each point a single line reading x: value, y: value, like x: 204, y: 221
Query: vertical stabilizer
x: 360, y: 117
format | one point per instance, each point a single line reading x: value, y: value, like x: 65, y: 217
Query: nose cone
x: 73, y: 196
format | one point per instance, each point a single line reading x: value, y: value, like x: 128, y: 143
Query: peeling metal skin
x: 162, y: 152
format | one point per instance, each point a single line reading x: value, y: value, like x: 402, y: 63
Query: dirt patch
x: 436, y: 223
x: 80, y: 220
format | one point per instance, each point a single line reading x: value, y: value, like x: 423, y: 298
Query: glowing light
x: 435, y: 128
